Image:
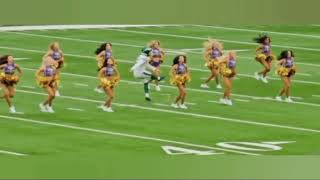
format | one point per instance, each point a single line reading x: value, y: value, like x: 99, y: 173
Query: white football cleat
x: 57, y: 93
x: 107, y: 109
x: 49, y: 109
x: 158, y: 88
x: 98, y: 90
x: 289, y: 100
x: 174, y: 105
x: 278, y: 98
x: 12, y: 109
x: 183, y: 106
x: 257, y: 76
x: 205, y: 86
x: 219, y: 86
x: 42, y: 108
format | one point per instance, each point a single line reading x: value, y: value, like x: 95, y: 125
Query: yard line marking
x: 75, y: 109
x: 216, y: 102
x: 12, y: 153
x: 308, y: 64
x: 29, y: 87
x: 132, y: 62
x: 258, y: 31
x: 219, y: 118
x: 241, y: 100
x: 303, y: 74
x: 316, y: 96
x: 149, y: 138
x: 205, y: 38
x: 81, y: 84
x: 20, y: 59
x: 159, y: 104
x: 294, y: 97
x: 78, y: 27
x: 195, y: 90
x: 191, y: 104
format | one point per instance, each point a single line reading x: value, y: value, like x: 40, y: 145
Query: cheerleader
x: 104, y: 53
x: 286, y: 71
x: 157, y: 58
x: 47, y: 78
x: 56, y: 54
x: 109, y: 79
x: 213, y: 50
x: 180, y: 75
x: 264, y: 56
x: 228, y: 66
x: 8, y: 79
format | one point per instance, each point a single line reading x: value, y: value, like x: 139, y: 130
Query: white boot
x: 98, y: 90
x: 183, y: 106
x: 219, y: 86
x: 278, y: 98
x: 12, y: 109
x: 49, y: 109
x: 257, y: 76
x: 264, y: 79
x: 223, y: 101
x: 205, y: 86
x: 42, y: 108
x: 174, y: 105
x: 107, y: 109
x: 289, y: 100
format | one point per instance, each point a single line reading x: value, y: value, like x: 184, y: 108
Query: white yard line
x: 12, y: 153
x: 316, y: 96
x: 205, y: 38
x: 259, y: 31
x: 20, y: 59
x: 191, y: 89
x: 29, y: 87
x: 77, y: 27
x: 163, y: 105
x: 75, y: 109
x: 191, y: 104
x: 202, y: 116
x: 216, y: 102
x: 303, y: 74
x: 241, y: 100
x: 146, y: 138
x: 131, y: 62
x: 308, y: 64
x: 81, y: 84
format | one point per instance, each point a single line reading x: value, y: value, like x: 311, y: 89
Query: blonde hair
x: 210, y: 43
x: 51, y: 46
x: 153, y: 42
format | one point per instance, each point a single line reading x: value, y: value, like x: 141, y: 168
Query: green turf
x: 204, y: 123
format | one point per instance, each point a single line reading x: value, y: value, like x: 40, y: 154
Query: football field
x: 256, y: 125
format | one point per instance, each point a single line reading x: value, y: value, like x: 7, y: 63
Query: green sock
x: 146, y: 88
